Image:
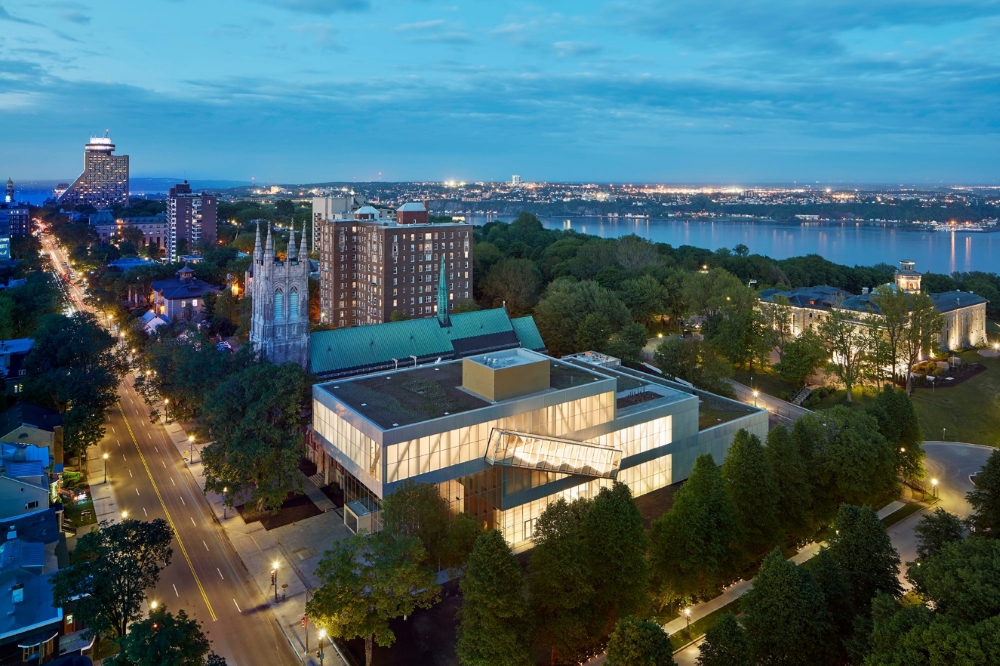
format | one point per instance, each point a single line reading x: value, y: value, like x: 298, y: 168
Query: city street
x: 206, y: 577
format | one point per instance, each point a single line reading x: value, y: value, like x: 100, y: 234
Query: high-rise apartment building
x: 372, y: 265
x: 14, y: 216
x: 104, y: 181
x: 333, y: 208
x: 191, y: 218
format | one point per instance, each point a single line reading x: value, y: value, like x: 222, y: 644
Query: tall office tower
x: 372, y: 266
x: 104, y: 181
x: 333, y: 208
x: 279, y: 321
x: 14, y: 216
x: 515, y: 180
x: 191, y: 218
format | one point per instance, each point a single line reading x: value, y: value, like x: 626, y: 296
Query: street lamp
x: 152, y: 606
x: 322, y: 635
x: 105, y: 468
x: 755, y: 394
x: 191, y: 448
x: 224, y: 492
x: 274, y: 579
x: 124, y: 515
x: 687, y: 616
x: 934, y: 483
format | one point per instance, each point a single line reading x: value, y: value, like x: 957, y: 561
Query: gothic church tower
x: 279, y: 324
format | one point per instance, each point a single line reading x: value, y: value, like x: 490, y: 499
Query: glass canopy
x: 507, y: 448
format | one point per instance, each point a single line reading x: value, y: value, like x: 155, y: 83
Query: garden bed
x: 294, y: 508
x: 952, y: 377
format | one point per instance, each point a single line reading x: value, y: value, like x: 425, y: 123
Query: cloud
x: 575, y: 49
x: 435, y: 30
x: 325, y: 35
x: 75, y: 17
x: 321, y: 7
x: 7, y: 16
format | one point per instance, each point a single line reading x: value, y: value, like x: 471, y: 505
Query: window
x: 194, y: 303
x: 293, y: 304
x: 31, y: 505
x: 279, y: 305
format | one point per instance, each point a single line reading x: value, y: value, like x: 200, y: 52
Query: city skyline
x: 322, y: 90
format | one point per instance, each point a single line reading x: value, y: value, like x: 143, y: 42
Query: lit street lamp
x: 934, y: 483
x: 191, y: 448
x: 124, y: 515
x: 755, y: 394
x: 224, y: 492
x: 322, y: 635
x: 274, y: 579
x: 105, y: 468
x: 687, y: 616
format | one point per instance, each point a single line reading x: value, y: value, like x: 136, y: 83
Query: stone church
x: 279, y: 325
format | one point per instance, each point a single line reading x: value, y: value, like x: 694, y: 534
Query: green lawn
x: 765, y: 381
x: 699, y: 627
x: 969, y: 411
x: 905, y: 512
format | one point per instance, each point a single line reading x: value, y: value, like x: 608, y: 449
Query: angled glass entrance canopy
x: 507, y: 448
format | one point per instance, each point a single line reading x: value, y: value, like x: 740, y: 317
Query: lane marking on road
x: 172, y: 482
x: 164, y: 464
x: 144, y: 512
x: 205, y: 544
x: 170, y: 521
x: 130, y: 473
x: 220, y: 573
x: 237, y: 606
x: 137, y: 492
x: 175, y: 590
x: 124, y: 458
x: 192, y: 521
x: 182, y: 501
x: 113, y: 430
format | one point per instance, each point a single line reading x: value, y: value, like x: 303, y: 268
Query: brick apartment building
x: 191, y: 216
x: 375, y: 264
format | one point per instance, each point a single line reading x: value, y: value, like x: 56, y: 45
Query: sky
x: 680, y: 91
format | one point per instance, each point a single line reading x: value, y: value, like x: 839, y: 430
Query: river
x: 842, y: 243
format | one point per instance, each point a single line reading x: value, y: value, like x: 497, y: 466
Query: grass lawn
x: 969, y: 411
x: 73, y: 512
x: 765, y: 381
x: 905, y: 512
x: 699, y: 627
x: 861, y: 399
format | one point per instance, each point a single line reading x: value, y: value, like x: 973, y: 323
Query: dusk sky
x: 688, y: 91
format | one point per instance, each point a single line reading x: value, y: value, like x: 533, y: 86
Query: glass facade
x: 361, y: 449
x: 517, y: 449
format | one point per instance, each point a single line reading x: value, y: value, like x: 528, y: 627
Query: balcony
x: 507, y: 448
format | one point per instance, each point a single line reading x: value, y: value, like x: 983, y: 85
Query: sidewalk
x: 259, y: 549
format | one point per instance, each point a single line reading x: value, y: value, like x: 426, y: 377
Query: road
x: 206, y: 577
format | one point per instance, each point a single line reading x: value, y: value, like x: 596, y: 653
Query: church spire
x: 269, y: 248
x: 442, y: 299
x: 304, y: 250
x: 258, y: 251
x: 290, y: 251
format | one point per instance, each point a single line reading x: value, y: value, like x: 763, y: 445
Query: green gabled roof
x: 480, y: 322
x: 527, y: 333
x: 359, y: 346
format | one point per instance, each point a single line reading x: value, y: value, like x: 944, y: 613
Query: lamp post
x: 191, y: 449
x: 322, y: 635
x: 687, y: 616
x: 755, y: 393
x: 934, y: 486
x: 105, y: 468
x: 152, y: 607
x: 224, y: 491
x: 274, y: 579
x: 124, y: 515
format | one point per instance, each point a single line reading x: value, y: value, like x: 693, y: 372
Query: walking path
x: 260, y: 549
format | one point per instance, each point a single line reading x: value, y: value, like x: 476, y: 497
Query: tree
x: 695, y: 547
x: 725, y: 644
x: 461, y: 538
x: 922, y: 334
x: 566, y: 304
x: 639, y: 643
x: 935, y: 531
x: 284, y: 207
x: 163, y: 639
x: 792, y: 480
x: 892, y: 307
x: 861, y: 546
x: 419, y: 510
x: 514, y: 282
x: 367, y: 581
x: 694, y: 361
x: 785, y: 615
x: 559, y: 583
x: 633, y: 253
x: 801, y: 357
x: 254, y: 421
x: 628, y: 343
x: 836, y: 591
x: 898, y: 423
x: 133, y: 235
x: 23, y: 307
x: 594, y: 332
x: 494, y: 625
x: 706, y: 291
x: 985, y: 499
x: 398, y: 315
x: 962, y: 579
x: 74, y: 367
x: 846, y: 340
x: 615, y: 545
x: 751, y: 483
x: 114, y: 567
x: 644, y: 296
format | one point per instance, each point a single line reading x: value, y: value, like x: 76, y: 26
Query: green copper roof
x: 365, y: 346
x: 527, y: 332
